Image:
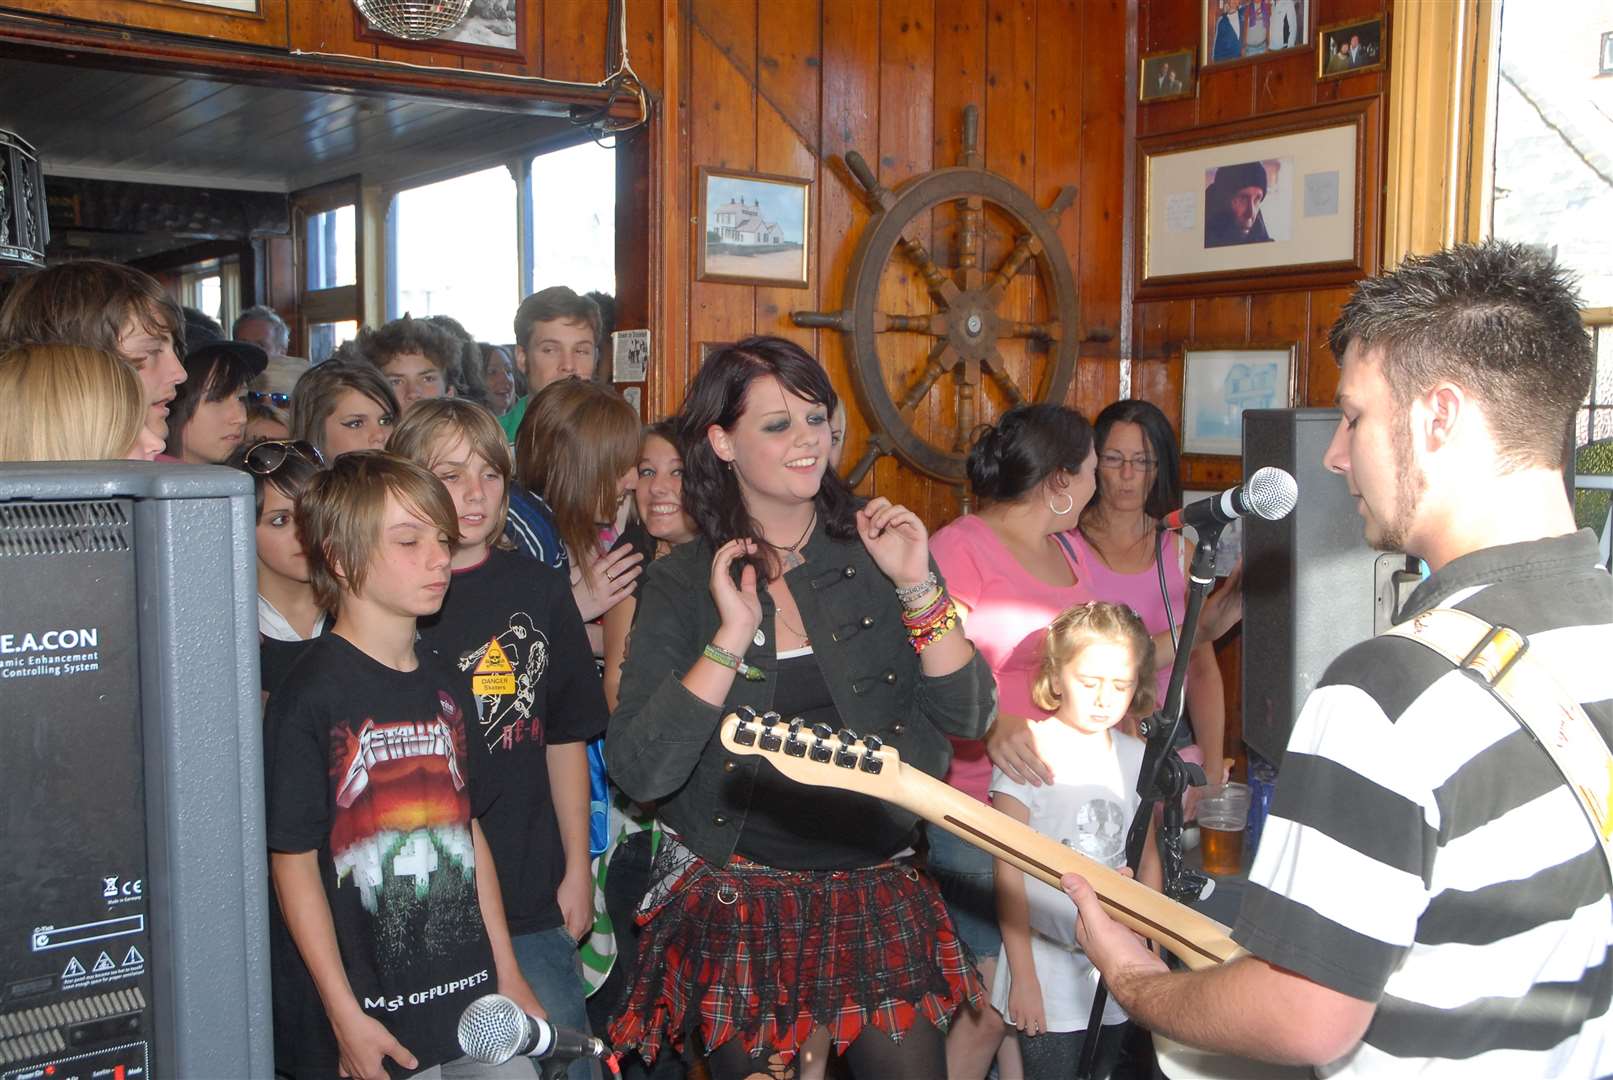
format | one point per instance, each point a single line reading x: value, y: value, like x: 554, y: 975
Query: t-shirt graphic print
x: 505, y: 674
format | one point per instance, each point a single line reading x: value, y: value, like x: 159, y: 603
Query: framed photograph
x: 630, y: 356
x: 634, y: 396
x: 753, y: 228
x: 491, y: 28
x: 1349, y: 48
x: 1218, y: 384
x: 1167, y: 76
x: 1247, y: 29
x: 1278, y: 198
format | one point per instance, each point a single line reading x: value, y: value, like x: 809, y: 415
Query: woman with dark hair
x: 777, y: 910
x: 340, y: 407
x: 1133, y: 562
x: 208, y: 418
x: 1012, y: 572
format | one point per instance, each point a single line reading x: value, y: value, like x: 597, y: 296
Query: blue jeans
x: 965, y: 875
x: 553, y: 968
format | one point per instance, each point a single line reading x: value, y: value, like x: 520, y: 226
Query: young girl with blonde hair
x: 71, y: 403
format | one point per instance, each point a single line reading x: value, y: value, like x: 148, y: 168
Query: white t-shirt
x: 1089, y: 809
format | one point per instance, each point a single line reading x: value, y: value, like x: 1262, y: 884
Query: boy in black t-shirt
x: 392, y: 915
x: 511, y: 629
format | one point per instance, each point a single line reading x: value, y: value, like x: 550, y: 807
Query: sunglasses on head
x: 265, y: 457
x: 268, y: 397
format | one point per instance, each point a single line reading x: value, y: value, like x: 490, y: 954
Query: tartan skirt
x: 765, y: 955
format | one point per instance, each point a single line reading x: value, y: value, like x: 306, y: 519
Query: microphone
x: 494, y: 1029
x: 1270, y: 493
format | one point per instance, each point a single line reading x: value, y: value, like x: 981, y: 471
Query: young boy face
x: 478, y: 492
x: 152, y: 356
x: 408, y: 571
x: 414, y: 378
x: 557, y: 349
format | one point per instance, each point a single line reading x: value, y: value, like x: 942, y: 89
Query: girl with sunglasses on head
x: 776, y: 911
x: 288, y: 615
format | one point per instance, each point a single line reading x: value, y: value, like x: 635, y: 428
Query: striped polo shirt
x: 1424, y: 854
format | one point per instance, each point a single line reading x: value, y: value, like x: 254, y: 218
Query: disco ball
x: 413, y: 20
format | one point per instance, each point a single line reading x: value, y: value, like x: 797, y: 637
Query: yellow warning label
x: 494, y: 675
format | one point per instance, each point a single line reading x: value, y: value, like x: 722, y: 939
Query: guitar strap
x: 1498, y: 657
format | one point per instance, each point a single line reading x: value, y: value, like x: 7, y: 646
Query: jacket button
x: 719, y: 820
x: 729, y: 766
x: 868, y: 620
x: 898, y: 728
x: 851, y: 571
x: 890, y: 678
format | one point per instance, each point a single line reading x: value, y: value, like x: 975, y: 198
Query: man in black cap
x: 1232, y: 206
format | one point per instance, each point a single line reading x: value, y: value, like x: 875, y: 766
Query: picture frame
x: 1167, y: 76
x: 630, y: 356
x: 1350, y: 48
x: 1249, y: 30
x: 754, y: 228
x: 496, y: 36
x: 1220, y: 382
x: 1279, y: 201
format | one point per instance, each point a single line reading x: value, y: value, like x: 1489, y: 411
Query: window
x: 329, y: 242
x: 574, y: 219
x: 329, y: 235
x: 454, y: 250
x: 323, y: 338
x: 1605, y: 65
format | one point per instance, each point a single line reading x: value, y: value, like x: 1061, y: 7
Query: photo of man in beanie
x: 1232, y: 206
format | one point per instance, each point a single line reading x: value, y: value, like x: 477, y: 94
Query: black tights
x: 921, y: 1055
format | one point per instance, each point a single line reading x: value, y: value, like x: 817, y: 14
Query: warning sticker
x: 493, y: 676
x: 104, y: 970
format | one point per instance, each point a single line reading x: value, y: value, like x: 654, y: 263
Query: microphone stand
x: 1164, y: 776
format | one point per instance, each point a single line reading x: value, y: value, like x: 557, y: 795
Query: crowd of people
x: 501, y: 620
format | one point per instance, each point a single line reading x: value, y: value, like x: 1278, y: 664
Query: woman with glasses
x: 288, y: 615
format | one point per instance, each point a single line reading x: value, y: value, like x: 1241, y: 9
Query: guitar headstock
x: 815, y: 754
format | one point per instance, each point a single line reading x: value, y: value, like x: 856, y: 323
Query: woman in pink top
x: 1011, y: 572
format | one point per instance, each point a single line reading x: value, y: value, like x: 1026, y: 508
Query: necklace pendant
x: 759, y: 638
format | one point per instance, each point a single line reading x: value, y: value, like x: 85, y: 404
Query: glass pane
x: 574, y: 219
x: 324, y: 337
x: 1593, y: 438
x: 455, y: 252
x: 210, y: 296
x: 331, y: 249
x: 1554, y: 124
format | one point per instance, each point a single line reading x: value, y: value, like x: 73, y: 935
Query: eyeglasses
x: 261, y: 397
x: 1116, y: 462
x: 266, y: 457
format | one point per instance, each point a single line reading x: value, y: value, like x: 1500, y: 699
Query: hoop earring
x: 1068, y: 506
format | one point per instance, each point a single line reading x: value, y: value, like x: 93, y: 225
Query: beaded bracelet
x: 911, y: 595
x: 727, y: 659
x: 926, y: 627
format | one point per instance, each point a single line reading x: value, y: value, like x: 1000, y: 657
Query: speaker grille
x: 63, y: 528
x: 34, y: 1032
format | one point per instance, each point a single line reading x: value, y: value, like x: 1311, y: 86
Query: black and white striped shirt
x: 1422, y: 853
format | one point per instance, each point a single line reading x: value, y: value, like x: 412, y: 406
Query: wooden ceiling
x: 164, y: 129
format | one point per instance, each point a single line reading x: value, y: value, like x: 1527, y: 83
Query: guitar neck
x: 1197, y: 940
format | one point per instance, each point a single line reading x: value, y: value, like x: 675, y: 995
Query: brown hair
x: 315, y: 394
x: 339, y: 517
x: 576, y: 440
x: 410, y: 335
x: 555, y: 302
x: 87, y: 302
x: 67, y: 403
x: 431, y: 424
x: 1076, y: 628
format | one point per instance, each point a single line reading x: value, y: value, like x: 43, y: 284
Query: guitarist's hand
x: 1012, y: 748
x: 1025, y: 1008
x: 1115, y: 950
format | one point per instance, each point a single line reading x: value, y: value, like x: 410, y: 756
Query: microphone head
x: 1271, y: 493
x: 492, y: 1029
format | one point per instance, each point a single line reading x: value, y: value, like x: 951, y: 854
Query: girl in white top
x: 1097, y: 668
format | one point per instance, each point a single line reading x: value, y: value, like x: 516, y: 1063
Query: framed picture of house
x: 753, y: 228
x: 1219, y: 383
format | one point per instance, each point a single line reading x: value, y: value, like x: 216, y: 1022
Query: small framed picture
x: 1167, y: 76
x: 1247, y: 29
x: 630, y: 356
x: 1218, y: 384
x: 634, y: 396
x: 753, y: 228
x: 1349, y: 48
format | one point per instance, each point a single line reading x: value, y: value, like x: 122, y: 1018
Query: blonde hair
x: 68, y: 403
x: 1078, y: 627
x: 576, y: 439
x: 340, y: 514
x: 314, y: 397
x: 435, y: 422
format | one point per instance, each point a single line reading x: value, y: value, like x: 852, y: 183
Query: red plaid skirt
x: 766, y: 955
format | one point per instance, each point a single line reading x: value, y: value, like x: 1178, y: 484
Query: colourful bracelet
x: 925, y: 628
x: 727, y: 659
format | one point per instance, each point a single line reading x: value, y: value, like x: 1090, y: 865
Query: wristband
x: 724, y: 658
x: 913, y: 596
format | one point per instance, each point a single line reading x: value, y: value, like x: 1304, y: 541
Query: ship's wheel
x: 970, y: 327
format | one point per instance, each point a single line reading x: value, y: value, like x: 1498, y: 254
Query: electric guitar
x: 822, y: 757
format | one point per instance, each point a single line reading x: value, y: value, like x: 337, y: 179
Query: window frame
x: 345, y: 303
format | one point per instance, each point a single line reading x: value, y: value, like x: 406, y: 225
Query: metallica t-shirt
x: 511, y: 630
x: 367, y: 766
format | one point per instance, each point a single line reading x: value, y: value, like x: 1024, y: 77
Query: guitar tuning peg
x: 746, y: 713
x: 873, y: 743
x: 744, y: 733
x: 771, y: 717
x: 795, y: 726
x: 821, y: 751
x: 823, y: 731
x: 847, y: 736
x: 845, y: 756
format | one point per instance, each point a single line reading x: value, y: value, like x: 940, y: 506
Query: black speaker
x: 1311, y: 586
